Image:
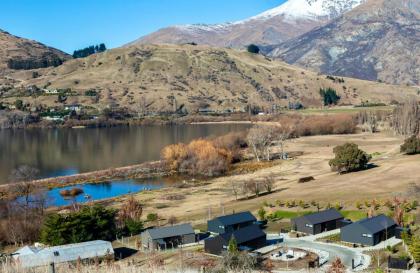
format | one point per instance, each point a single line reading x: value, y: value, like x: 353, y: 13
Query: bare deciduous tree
x: 254, y: 186
x: 268, y: 183
x: 131, y: 210
x: 235, y: 189
x: 406, y: 118
x: 24, y: 174
x: 261, y: 137
x: 172, y: 220
x: 283, y: 133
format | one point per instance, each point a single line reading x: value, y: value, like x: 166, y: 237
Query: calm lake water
x: 105, y: 190
x: 57, y: 152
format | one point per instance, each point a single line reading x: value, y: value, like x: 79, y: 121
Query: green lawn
x: 283, y: 214
x: 354, y: 215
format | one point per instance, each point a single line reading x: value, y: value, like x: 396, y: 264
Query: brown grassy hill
x: 169, y: 77
x: 20, y: 53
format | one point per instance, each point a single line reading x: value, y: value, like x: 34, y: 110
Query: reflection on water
x: 57, y: 152
x: 103, y: 190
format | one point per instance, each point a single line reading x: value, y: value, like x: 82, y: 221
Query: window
x: 310, y: 226
x: 367, y: 235
x: 56, y: 253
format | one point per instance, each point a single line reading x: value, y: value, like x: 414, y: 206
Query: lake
x: 58, y: 152
x: 106, y: 190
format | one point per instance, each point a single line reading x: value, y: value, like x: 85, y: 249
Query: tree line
x: 87, y: 51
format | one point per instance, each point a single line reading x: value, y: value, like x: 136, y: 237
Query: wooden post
x: 52, y: 268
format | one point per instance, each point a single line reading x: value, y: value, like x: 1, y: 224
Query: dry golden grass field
x: 391, y: 176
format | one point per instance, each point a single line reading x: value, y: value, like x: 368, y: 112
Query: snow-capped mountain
x: 274, y: 26
x: 380, y: 40
x: 310, y: 9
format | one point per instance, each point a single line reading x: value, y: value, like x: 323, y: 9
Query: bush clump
x: 411, y: 146
x: 253, y: 49
x: 349, y: 158
x: 199, y: 157
x: 329, y: 96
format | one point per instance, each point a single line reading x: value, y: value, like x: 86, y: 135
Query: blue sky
x: 73, y: 24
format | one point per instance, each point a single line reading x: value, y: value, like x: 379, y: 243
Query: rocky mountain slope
x: 20, y: 53
x: 174, y: 77
x: 274, y: 26
x: 379, y: 40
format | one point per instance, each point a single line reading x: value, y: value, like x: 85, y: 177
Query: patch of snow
x: 290, y: 10
x: 309, y: 9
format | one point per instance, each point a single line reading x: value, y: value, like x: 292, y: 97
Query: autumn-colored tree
x: 131, y: 209
x: 174, y: 155
x: 199, y: 157
x: 129, y: 217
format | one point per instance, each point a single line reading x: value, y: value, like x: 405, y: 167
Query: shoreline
x: 144, y: 170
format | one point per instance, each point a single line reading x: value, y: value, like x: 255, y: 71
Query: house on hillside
x: 168, y: 237
x: 230, y: 223
x: 319, y: 222
x: 30, y: 256
x: 73, y: 107
x: 369, y: 231
x: 247, y: 239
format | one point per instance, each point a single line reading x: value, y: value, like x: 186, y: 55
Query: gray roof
x: 29, y: 256
x: 323, y: 216
x: 377, y: 223
x: 245, y: 234
x: 170, y: 231
x: 237, y: 218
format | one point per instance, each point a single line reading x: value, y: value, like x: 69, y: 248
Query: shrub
x: 306, y: 179
x: 253, y: 49
x: 151, y: 217
x: 349, y: 158
x: 411, y: 146
x: 262, y: 214
x: 88, y: 224
x: 329, y: 96
x: 132, y: 227
x: 71, y: 193
x: 19, y: 104
x: 325, y: 125
x: 200, y: 157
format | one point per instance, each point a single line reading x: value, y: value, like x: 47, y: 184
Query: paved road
x: 346, y: 255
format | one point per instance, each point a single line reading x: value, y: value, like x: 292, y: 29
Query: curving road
x: 346, y: 255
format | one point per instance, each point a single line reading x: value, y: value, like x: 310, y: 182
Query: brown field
x: 391, y: 177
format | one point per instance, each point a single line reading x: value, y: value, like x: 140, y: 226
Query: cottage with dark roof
x: 369, y: 231
x: 319, y: 222
x: 230, y: 223
x: 247, y: 238
x: 168, y: 237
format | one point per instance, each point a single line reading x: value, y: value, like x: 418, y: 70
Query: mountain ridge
x: 22, y: 53
x: 378, y: 40
x: 276, y: 25
x: 187, y: 78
